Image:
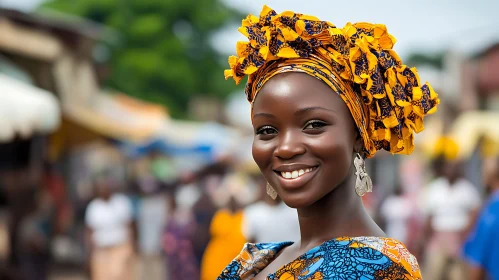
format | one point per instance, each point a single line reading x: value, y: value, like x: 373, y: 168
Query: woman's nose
x: 289, y: 146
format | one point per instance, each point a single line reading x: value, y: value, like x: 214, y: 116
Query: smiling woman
x: 316, y: 133
x: 324, y: 99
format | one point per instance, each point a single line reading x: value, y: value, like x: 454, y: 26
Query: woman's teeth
x: 296, y: 173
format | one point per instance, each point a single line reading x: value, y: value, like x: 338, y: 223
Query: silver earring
x: 363, y: 184
x: 271, y: 192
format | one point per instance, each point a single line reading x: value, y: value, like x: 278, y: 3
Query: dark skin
x: 301, y: 123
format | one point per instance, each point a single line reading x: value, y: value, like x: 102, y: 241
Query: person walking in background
x: 204, y: 210
x: 110, y: 233
x: 481, y: 249
x: 35, y: 234
x: 450, y: 203
x: 396, y: 212
x: 151, y: 218
x: 269, y: 220
x: 53, y: 183
x: 226, y: 229
x: 177, y: 241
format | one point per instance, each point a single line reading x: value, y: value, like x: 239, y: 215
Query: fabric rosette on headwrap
x: 387, y: 100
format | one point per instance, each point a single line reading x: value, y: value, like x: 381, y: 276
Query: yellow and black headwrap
x: 385, y: 97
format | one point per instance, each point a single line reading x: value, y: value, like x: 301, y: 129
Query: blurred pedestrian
x: 226, y: 229
x: 396, y: 212
x: 450, y: 204
x: 53, y: 183
x: 481, y: 249
x: 270, y: 220
x: 204, y: 210
x: 177, y: 241
x: 20, y: 185
x: 151, y: 216
x: 110, y: 231
x: 35, y: 233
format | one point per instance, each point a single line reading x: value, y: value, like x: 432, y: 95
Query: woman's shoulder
x: 253, y: 253
x: 253, y: 258
x: 265, y: 248
x: 384, y: 258
x: 387, y: 252
x: 388, y: 246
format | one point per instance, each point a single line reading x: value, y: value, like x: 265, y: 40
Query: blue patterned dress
x: 340, y: 258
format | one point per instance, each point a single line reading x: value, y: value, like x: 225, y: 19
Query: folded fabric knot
x: 387, y: 100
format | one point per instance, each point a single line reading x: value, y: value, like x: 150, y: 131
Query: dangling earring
x: 271, y: 192
x: 363, y: 184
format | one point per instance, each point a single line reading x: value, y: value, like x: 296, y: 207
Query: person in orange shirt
x: 227, y: 236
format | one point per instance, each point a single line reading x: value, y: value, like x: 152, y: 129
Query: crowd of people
x: 151, y: 219
x: 454, y: 237
x: 192, y: 226
x: 186, y: 228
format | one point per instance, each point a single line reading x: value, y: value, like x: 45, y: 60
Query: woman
x: 323, y: 99
x: 177, y: 241
x: 451, y: 202
x: 225, y: 229
x: 396, y: 212
x: 110, y: 233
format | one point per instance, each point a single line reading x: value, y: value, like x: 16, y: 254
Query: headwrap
x: 447, y: 148
x: 386, y: 98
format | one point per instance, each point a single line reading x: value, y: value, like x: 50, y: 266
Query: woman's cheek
x: 334, y: 150
x: 262, y: 153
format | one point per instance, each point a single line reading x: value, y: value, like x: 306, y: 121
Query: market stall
x: 26, y: 110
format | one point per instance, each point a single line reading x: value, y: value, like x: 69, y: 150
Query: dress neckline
x: 277, y: 247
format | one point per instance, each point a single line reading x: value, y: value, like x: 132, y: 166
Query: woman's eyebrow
x: 268, y: 115
x: 307, y: 109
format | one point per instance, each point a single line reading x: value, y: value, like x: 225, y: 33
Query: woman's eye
x: 315, y: 124
x: 266, y: 130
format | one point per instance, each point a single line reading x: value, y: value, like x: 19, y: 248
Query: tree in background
x: 435, y: 60
x: 163, y: 54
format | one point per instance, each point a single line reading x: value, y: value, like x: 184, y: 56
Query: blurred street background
x: 124, y: 152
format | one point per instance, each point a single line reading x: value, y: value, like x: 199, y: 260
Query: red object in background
x: 54, y: 185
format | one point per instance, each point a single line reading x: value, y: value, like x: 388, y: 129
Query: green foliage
x: 417, y: 59
x: 164, y: 53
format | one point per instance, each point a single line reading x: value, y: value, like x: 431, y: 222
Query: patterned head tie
x: 386, y: 98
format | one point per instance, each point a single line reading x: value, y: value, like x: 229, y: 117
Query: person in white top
x: 450, y: 204
x: 108, y: 220
x: 270, y: 221
x: 396, y: 211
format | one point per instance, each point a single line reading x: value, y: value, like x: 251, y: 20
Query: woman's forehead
x: 294, y: 91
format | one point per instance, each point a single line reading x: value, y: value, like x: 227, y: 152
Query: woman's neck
x: 339, y: 213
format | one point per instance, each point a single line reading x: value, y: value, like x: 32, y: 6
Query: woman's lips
x: 296, y: 178
x: 295, y: 173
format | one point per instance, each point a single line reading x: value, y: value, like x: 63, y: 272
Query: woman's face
x: 305, y: 138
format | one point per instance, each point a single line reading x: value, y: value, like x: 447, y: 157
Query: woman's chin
x: 294, y: 201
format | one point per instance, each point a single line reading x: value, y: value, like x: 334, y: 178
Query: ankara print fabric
x: 341, y: 258
x: 386, y: 98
